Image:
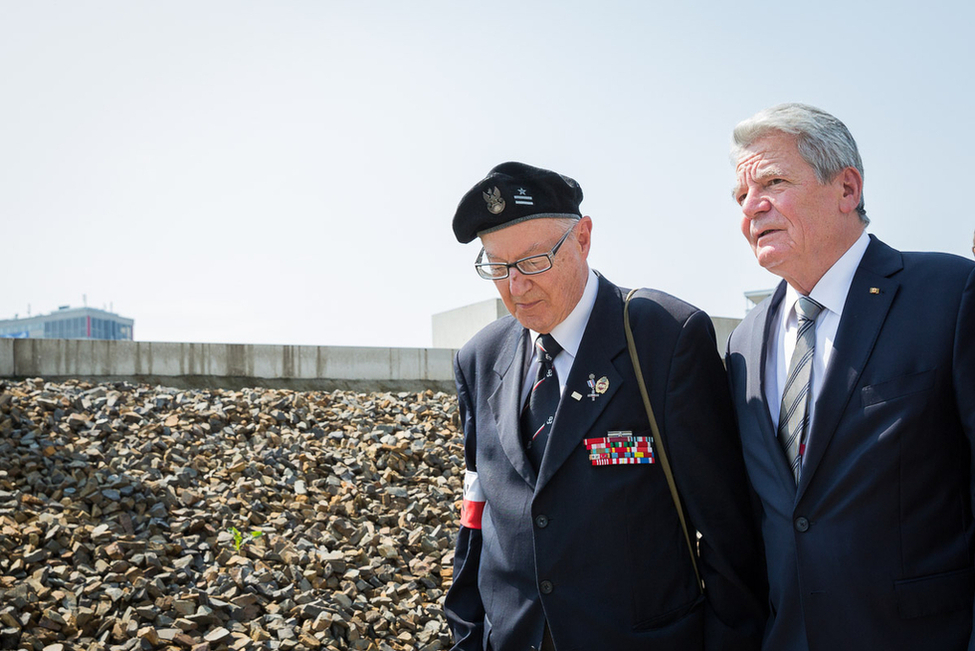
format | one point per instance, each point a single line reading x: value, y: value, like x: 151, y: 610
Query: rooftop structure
x: 757, y: 296
x: 69, y: 323
x: 452, y: 329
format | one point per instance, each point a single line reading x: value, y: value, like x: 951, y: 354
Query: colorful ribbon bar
x: 620, y: 448
x: 621, y: 455
x: 620, y: 462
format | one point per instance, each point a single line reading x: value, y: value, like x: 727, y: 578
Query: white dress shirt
x: 830, y: 292
x: 569, y: 335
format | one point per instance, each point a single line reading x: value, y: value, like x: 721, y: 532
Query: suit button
x: 546, y: 587
x: 802, y: 524
x: 541, y: 521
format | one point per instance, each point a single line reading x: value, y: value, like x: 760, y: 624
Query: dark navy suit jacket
x: 598, y: 551
x: 874, y: 551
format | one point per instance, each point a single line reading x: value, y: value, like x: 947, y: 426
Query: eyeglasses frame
x: 508, y: 265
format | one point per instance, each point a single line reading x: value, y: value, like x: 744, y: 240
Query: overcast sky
x: 286, y: 172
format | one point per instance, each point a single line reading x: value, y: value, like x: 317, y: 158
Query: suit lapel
x: 867, y: 304
x: 602, y: 343
x: 505, y: 398
x: 769, y: 431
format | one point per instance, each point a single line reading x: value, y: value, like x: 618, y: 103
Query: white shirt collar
x: 831, y: 292
x: 569, y: 333
x: 832, y: 288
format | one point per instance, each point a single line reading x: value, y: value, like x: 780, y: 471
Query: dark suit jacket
x: 874, y: 551
x: 606, y: 539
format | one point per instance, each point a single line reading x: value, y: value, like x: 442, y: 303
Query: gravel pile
x: 137, y: 517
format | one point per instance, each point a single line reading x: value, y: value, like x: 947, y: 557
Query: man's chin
x: 768, y: 258
x: 532, y: 320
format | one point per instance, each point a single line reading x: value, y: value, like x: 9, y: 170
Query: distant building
x: 452, y: 329
x: 69, y: 323
x: 757, y: 296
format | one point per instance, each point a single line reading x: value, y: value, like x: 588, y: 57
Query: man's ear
x: 851, y: 185
x: 584, y: 234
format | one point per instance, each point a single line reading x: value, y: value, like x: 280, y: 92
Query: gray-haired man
x: 854, y: 389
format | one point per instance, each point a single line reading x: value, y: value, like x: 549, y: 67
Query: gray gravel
x: 137, y: 517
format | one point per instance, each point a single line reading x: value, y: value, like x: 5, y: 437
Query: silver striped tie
x: 794, y: 413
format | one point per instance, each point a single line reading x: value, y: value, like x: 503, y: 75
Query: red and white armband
x: 473, y: 507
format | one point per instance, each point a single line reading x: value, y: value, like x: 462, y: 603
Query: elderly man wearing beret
x: 571, y: 536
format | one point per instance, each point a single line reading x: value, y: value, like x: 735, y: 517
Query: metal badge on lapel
x: 619, y: 448
x: 597, y: 387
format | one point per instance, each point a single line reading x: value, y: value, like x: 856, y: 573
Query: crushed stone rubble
x: 152, y: 518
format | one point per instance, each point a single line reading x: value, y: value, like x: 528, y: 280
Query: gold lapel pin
x: 874, y: 290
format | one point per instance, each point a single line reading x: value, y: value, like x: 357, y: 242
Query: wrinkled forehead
x: 522, y: 239
x: 753, y: 164
x: 769, y: 155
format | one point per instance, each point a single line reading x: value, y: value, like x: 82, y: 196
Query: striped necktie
x: 543, y: 401
x: 794, y: 413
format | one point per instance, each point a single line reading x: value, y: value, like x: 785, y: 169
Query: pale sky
x: 286, y: 172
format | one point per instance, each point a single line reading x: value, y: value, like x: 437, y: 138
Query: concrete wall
x: 234, y: 366
x: 7, y: 357
x: 230, y: 365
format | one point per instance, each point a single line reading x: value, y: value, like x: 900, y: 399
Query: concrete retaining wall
x: 233, y: 366
x: 230, y: 365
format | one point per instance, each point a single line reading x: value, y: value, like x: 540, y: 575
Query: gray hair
x: 823, y: 141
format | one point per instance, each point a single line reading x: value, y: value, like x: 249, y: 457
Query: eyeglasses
x: 533, y: 264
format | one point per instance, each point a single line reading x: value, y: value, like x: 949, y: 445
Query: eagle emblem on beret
x: 495, y: 204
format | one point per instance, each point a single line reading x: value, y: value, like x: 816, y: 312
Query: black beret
x: 513, y: 193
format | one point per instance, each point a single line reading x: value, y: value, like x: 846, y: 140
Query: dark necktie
x: 794, y: 413
x: 543, y: 401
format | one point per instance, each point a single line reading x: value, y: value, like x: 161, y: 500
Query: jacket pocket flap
x: 938, y: 593
x: 898, y: 387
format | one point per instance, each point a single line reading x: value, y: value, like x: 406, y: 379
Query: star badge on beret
x: 523, y: 198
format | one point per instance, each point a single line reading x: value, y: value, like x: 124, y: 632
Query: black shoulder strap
x: 661, y: 449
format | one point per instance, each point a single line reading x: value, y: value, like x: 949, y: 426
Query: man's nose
x: 518, y: 283
x: 755, y: 203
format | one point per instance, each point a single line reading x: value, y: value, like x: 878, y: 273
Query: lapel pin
x: 874, y: 290
x: 602, y: 384
x: 576, y: 395
x: 592, y: 386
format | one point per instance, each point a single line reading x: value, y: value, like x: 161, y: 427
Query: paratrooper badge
x: 495, y: 204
